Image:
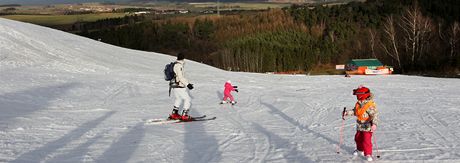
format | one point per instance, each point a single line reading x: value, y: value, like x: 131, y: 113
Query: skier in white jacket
x: 179, y: 85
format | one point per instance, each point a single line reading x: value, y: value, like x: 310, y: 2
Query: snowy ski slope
x: 64, y: 98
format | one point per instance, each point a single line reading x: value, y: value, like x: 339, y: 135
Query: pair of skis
x: 168, y: 121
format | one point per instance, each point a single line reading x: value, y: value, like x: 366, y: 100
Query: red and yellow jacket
x: 366, y: 113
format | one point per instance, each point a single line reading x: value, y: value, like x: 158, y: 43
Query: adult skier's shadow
x: 41, y: 153
x: 292, y: 155
x: 275, y: 110
x: 198, y: 145
x: 123, y: 149
x: 22, y: 103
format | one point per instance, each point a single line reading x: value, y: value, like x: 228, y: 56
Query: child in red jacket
x: 228, y: 92
x: 367, y: 120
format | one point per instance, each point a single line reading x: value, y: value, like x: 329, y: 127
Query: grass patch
x: 326, y: 69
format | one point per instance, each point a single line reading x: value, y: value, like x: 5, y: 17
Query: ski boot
x: 369, y: 158
x: 355, y: 153
x: 233, y: 102
x: 223, y: 102
x: 175, y: 114
x: 185, y: 116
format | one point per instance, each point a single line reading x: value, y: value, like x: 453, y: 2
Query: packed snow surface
x: 64, y: 98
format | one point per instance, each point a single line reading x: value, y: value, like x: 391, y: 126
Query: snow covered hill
x: 64, y: 98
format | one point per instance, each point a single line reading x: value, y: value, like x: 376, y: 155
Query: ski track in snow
x: 65, y: 98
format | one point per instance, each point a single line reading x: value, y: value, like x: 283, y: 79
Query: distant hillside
x: 47, y: 2
x: 10, y: 5
x: 277, y: 1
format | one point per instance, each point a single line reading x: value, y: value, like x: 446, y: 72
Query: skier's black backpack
x: 170, y: 75
x: 169, y: 71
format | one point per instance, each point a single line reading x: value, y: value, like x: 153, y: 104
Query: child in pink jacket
x: 228, y: 92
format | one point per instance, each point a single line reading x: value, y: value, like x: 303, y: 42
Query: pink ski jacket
x: 228, y: 88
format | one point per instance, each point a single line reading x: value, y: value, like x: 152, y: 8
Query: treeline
x: 413, y: 36
x: 10, y: 5
x: 82, y: 27
x: 165, y: 36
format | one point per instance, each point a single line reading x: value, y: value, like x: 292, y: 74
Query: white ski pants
x: 181, y: 94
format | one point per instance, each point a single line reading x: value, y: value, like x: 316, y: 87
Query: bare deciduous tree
x: 390, y: 35
x: 417, y: 29
x: 454, y: 38
x: 372, y: 35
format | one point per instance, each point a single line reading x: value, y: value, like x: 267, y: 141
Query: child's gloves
x: 235, y: 86
x: 373, y: 128
x: 236, y: 90
x: 190, y: 86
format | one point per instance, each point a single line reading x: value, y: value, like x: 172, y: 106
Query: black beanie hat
x: 180, y: 56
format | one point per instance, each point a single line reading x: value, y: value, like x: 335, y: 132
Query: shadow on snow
x: 276, y: 111
x: 20, y: 104
x: 41, y: 153
x: 199, y: 146
x: 123, y: 149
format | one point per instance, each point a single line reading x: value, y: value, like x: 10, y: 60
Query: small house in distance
x: 367, y: 67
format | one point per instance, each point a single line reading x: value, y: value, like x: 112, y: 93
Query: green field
x: 50, y: 20
x: 48, y: 16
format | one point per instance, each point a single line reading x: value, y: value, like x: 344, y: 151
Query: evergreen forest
x: 413, y: 36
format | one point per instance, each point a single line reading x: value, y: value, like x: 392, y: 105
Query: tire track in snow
x: 416, y: 149
x: 115, y: 93
x: 234, y: 137
x: 440, y: 128
x: 278, y: 148
x: 167, y: 143
x: 279, y: 144
x: 132, y: 90
x: 304, y: 130
x: 238, y: 121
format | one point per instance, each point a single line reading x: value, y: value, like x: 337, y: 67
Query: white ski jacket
x: 180, y: 75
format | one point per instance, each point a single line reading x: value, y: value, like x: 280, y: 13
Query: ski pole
x: 341, y: 131
x: 376, y: 147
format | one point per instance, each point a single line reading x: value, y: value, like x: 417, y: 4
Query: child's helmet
x: 229, y: 82
x: 362, y: 92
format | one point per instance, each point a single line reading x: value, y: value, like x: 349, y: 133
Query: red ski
x: 167, y: 121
